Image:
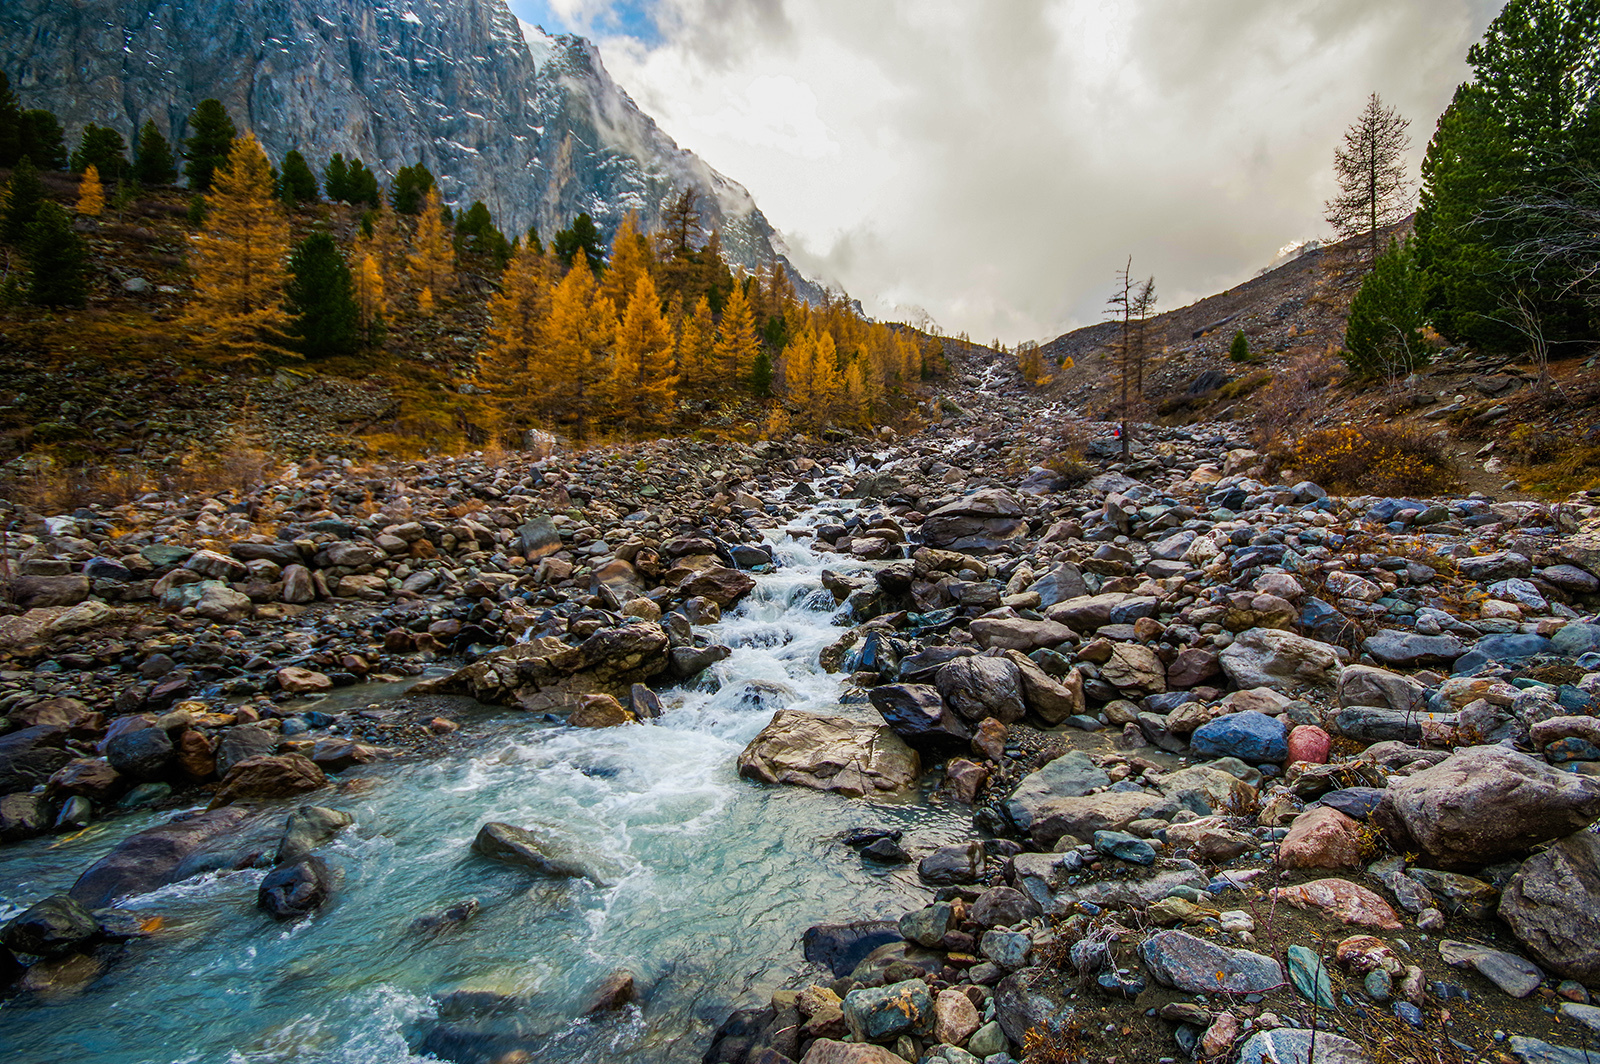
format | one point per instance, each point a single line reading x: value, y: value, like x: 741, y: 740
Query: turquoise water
x: 712, y: 881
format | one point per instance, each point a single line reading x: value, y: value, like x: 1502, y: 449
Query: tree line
x: 648, y: 334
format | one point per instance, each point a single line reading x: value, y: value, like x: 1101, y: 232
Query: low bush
x: 1374, y: 459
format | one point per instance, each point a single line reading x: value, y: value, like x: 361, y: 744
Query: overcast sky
x: 996, y: 161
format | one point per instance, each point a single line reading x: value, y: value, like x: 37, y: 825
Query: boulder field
x: 1243, y: 758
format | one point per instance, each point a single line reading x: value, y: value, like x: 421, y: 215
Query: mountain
x: 500, y: 111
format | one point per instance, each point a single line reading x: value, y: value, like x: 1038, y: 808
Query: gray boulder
x: 1552, y: 905
x: 979, y: 687
x: 1269, y: 657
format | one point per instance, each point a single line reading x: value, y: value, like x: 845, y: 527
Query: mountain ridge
x: 530, y: 123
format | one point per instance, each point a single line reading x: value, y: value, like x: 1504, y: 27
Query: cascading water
x: 707, y: 882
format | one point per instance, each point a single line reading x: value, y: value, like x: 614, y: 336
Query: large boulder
x: 983, y: 520
x: 1134, y: 667
x: 1364, y: 685
x: 1071, y: 775
x: 30, y: 756
x: 1269, y: 657
x: 58, y: 924
x: 145, y: 755
x: 721, y: 585
x: 1552, y: 905
x: 187, y: 845
x: 1484, y: 803
x: 1082, y: 816
x: 1199, y: 966
x: 1054, y: 701
x: 293, y: 890
x: 549, y: 851
x: 1249, y: 736
x: 830, y: 754
x: 1017, y: 633
x: 981, y: 687
x: 918, y: 715
x: 260, y: 779
x: 1410, y: 649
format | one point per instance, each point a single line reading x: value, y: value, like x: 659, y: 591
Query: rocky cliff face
x: 529, y: 123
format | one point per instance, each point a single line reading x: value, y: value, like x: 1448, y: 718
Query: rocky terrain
x: 1245, y: 761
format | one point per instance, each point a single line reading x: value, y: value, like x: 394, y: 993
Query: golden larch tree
x: 797, y: 370
x: 370, y: 302
x: 827, y: 389
x: 578, y: 335
x: 630, y: 260
x: 737, y: 345
x: 696, y: 344
x: 91, y: 194
x: 433, y: 255
x: 512, y: 368
x: 238, y: 257
x: 642, y: 387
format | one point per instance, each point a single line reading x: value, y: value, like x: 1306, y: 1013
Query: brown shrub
x: 1295, y: 395
x: 1374, y: 459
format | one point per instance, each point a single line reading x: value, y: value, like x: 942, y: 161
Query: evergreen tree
x: 1530, y: 116
x: 91, y: 194
x: 297, y: 183
x: 433, y: 259
x: 1383, y: 336
x: 476, y: 234
x: 737, y: 345
x: 238, y: 259
x: 364, y: 185
x: 104, y: 149
x: 336, y: 179
x: 43, y: 140
x: 761, y: 375
x: 1239, y: 350
x: 10, y: 124
x: 320, y: 297
x: 153, y: 163
x: 642, y: 387
x: 210, y: 140
x: 581, y: 235
x: 57, y: 259
x: 409, y: 191
x: 24, y: 195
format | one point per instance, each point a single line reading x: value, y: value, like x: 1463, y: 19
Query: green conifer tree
x: 24, y: 195
x: 57, y: 260
x: 320, y: 296
x: 211, y: 134
x: 1383, y: 336
x: 104, y: 149
x: 153, y: 163
x: 297, y: 183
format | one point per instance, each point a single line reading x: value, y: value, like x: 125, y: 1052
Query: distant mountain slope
x: 529, y: 123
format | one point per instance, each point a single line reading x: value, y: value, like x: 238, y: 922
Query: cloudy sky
x: 997, y: 161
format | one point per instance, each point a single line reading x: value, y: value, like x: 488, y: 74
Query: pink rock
x: 1219, y: 1037
x: 1321, y: 838
x: 1310, y: 743
x: 1342, y: 900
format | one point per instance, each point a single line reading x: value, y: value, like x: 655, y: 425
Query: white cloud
x: 997, y: 162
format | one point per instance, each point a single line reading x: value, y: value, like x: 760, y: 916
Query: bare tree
x: 1375, y: 191
x: 1131, y: 306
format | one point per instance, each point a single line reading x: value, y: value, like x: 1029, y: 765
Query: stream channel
x: 713, y: 881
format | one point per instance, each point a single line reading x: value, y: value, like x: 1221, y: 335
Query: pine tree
x: 153, y: 163
x: 737, y: 345
x: 433, y: 257
x: 238, y: 259
x: 476, y: 235
x: 91, y: 195
x: 512, y: 368
x: 371, y: 306
x: 24, y: 196
x: 642, y: 387
x: 363, y: 185
x: 297, y: 183
x: 10, y: 124
x: 43, y: 140
x: 1383, y: 336
x: 578, y: 333
x: 1374, y: 190
x: 320, y: 297
x: 57, y: 259
x: 104, y: 149
x: 209, y: 144
x: 581, y: 235
x: 336, y: 179
x: 696, y: 360
x: 1239, y: 350
x: 408, y: 194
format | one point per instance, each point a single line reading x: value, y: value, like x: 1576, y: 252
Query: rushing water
x: 712, y: 880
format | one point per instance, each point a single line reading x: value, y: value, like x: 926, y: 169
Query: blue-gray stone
x: 1008, y: 949
x: 1198, y: 966
x: 1576, y: 638
x: 879, y: 1013
x: 1379, y: 985
x: 1507, y: 649
x: 1534, y: 1051
x: 1114, y: 982
x: 1310, y: 976
x: 1354, y: 802
x: 1249, y: 736
x: 1294, y: 1045
x: 1124, y: 847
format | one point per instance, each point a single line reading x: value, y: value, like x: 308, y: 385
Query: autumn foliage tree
x: 91, y: 194
x: 642, y: 387
x: 433, y: 256
x: 237, y: 259
x: 736, y: 347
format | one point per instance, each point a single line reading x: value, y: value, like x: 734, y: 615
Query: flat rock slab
x: 155, y: 857
x: 1341, y: 900
x: 1511, y: 973
x: 830, y: 754
x: 1198, y: 966
x: 1293, y: 1045
x: 1072, y: 775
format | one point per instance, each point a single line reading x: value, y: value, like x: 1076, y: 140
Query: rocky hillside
x: 499, y: 111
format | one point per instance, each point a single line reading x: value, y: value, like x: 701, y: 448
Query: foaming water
x: 703, y: 883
